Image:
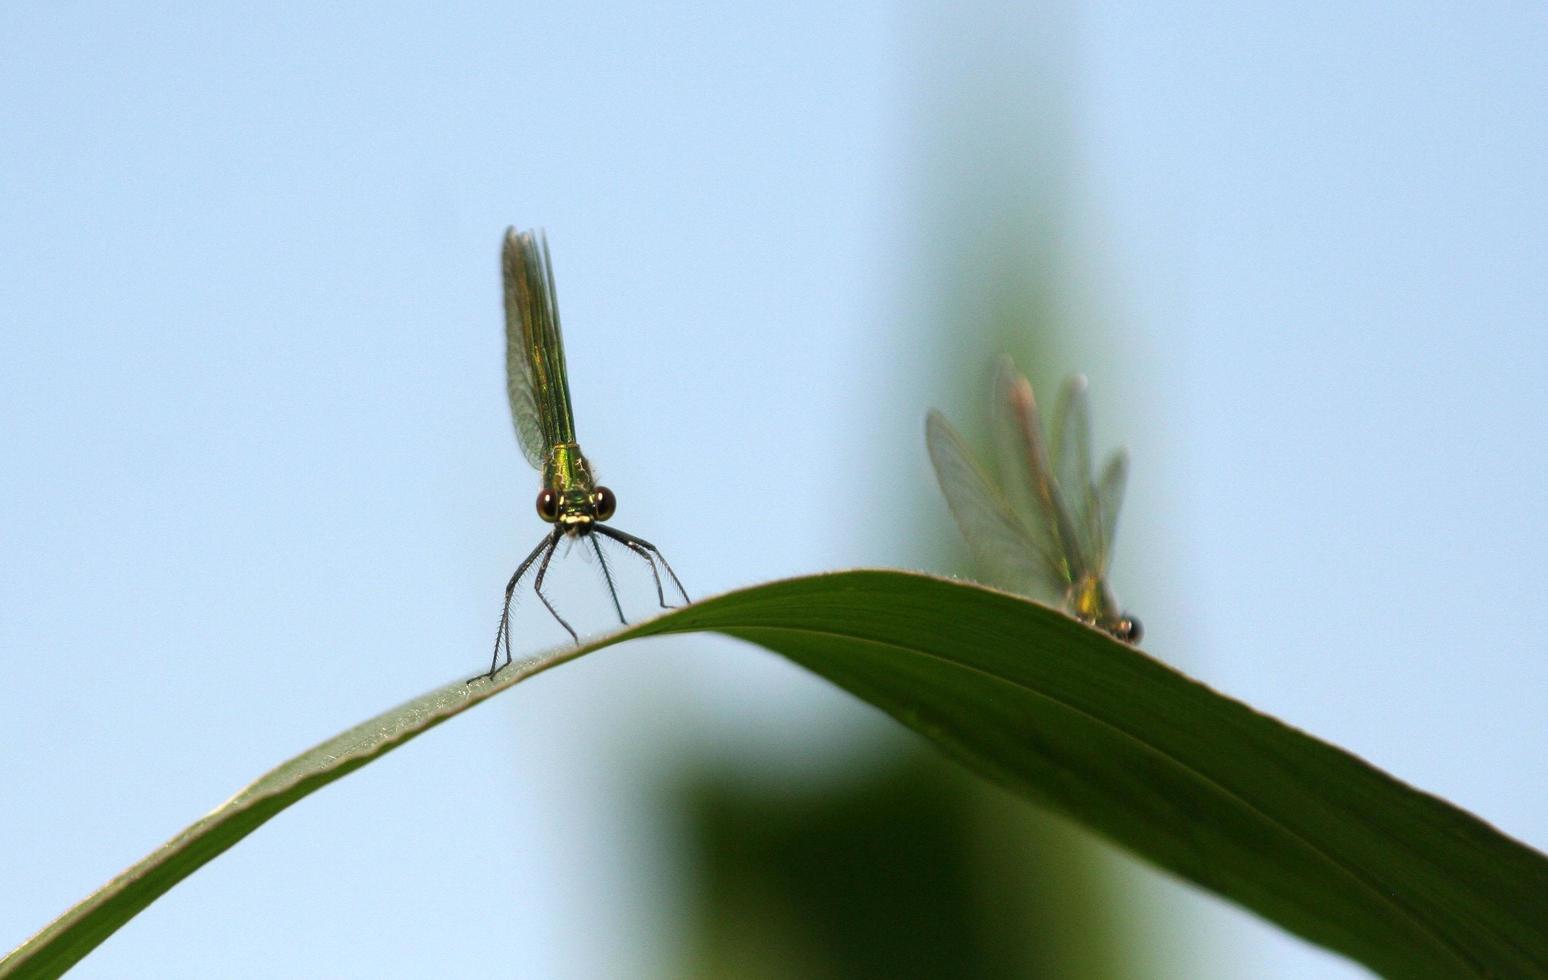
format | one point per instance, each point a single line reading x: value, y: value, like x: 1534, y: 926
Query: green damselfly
x: 570, y: 498
x: 1047, y: 530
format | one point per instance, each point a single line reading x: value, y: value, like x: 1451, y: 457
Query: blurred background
x: 259, y: 480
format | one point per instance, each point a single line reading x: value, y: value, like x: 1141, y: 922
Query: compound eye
x: 604, y: 503
x: 1132, y: 630
x: 548, y: 505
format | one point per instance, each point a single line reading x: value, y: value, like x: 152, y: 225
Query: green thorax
x: 567, y: 473
x: 1091, y: 600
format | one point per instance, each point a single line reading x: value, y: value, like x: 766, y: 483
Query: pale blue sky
x: 260, y: 483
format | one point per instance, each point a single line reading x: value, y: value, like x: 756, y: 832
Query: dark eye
x: 604, y: 503
x: 548, y: 505
x: 1132, y: 630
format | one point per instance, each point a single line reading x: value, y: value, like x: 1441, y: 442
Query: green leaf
x: 1300, y: 832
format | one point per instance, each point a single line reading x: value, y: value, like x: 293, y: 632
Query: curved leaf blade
x: 1299, y: 831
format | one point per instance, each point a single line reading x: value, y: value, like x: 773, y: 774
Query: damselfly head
x: 1127, y: 629
x: 576, y: 509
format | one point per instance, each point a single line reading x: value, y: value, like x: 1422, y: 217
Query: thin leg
x: 537, y: 583
x: 635, y: 543
x: 608, y: 577
x: 504, y: 630
x: 655, y: 573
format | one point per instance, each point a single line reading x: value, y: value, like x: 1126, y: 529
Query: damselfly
x: 570, y: 498
x: 1047, y: 530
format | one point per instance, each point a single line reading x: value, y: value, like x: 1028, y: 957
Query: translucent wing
x: 524, y: 410
x: 519, y: 383
x: 1029, y: 477
x: 1073, y: 469
x: 1024, y: 472
x: 534, y: 351
x: 1115, y: 476
x: 1011, y: 456
x: 1002, y: 545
